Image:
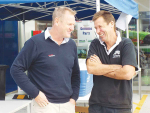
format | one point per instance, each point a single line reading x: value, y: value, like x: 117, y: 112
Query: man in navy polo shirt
x: 112, y: 61
x: 51, y: 60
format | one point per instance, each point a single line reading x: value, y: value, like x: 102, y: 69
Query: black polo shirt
x: 107, y: 91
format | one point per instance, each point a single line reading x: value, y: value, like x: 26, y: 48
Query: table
x: 84, y: 99
x: 11, y: 106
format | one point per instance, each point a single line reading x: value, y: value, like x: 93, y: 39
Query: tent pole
x: 127, y: 30
x: 97, y: 5
x: 139, y: 77
x: 24, y: 28
x: 137, y: 21
x: 45, y: 4
x: 20, y: 91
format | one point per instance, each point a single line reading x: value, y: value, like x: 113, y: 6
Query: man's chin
x: 102, y: 39
x: 68, y: 36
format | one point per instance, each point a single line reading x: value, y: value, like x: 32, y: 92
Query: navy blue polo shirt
x: 110, y: 92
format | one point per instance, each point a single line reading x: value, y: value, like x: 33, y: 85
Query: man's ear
x: 112, y: 24
x: 56, y: 21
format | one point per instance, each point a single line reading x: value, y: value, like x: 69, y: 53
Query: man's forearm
x: 118, y: 74
x: 100, y: 69
x: 122, y: 74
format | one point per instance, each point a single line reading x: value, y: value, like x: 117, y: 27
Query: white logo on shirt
x: 51, y: 55
x: 116, y: 54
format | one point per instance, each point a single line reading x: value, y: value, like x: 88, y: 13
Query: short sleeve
x: 129, y: 54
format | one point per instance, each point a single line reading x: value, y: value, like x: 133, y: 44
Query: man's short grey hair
x: 59, y: 11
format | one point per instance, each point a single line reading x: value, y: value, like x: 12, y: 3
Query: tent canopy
x: 27, y: 1
x: 37, y: 10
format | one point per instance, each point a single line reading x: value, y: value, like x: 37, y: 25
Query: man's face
x: 66, y: 24
x: 103, y: 29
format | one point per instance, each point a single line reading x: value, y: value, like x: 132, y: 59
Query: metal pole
x: 137, y: 22
x: 24, y: 28
x: 132, y: 96
x: 139, y: 77
x: 97, y: 5
x: 127, y: 31
x: 45, y: 4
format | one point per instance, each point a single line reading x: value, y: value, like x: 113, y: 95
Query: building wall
x: 144, y: 5
x: 29, y: 26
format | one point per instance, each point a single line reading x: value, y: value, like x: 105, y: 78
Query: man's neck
x: 112, y: 40
x: 56, y: 36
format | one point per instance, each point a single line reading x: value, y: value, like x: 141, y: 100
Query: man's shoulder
x: 126, y: 40
x: 72, y: 42
x: 38, y: 37
x: 95, y: 41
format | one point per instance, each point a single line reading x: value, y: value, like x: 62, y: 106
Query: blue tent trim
x: 27, y: 1
x: 126, y: 6
x: 85, y: 10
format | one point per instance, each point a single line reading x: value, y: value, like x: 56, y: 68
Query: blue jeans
x: 101, y: 109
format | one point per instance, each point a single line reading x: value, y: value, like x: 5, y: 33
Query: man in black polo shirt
x: 112, y: 61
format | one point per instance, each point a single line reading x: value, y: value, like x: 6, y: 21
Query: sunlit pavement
x: 141, y: 105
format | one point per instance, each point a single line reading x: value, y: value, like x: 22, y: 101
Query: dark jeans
x: 101, y: 109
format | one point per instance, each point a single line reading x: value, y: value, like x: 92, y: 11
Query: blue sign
x: 85, y: 28
x: 86, y: 33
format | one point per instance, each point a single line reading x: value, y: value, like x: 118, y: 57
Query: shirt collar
x: 117, y: 42
x: 48, y: 35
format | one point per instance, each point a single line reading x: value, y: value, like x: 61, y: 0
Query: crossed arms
x: 95, y: 66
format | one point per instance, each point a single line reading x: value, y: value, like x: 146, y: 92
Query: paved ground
x: 143, y: 105
x: 139, y: 105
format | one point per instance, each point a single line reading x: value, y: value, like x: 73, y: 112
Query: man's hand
x: 72, y: 101
x: 95, y: 58
x: 41, y: 99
